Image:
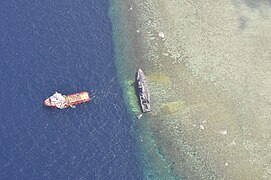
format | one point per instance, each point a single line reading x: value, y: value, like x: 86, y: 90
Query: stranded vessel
x: 142, y: 91
x: 60, y: 101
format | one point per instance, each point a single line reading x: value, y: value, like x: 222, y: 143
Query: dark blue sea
x: 64, y: 46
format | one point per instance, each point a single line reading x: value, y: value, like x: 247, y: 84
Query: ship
x: 142, y: 91
x: 57, y: 100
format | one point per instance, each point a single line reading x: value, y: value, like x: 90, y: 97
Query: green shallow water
x: 155, y: 165
x: 209, y: 84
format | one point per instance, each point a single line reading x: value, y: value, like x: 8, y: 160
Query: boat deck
x: 78, y: 97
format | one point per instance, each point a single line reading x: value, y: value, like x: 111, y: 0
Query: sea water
x: 209, y: 85
x: 127, y: 41
x: 64, y: 46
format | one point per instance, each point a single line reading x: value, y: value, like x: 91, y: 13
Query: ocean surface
x: 64, y: 46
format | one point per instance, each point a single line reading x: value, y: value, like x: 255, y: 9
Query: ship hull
x: 70, y: 100
x: 142, y: 92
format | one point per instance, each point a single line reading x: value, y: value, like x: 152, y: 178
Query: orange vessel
x: 60, y: 101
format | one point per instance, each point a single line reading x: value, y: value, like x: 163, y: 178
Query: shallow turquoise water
x: 155, y: 165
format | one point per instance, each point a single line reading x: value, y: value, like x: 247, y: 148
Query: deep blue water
x: 65, y: 46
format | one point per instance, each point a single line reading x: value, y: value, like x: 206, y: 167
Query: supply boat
x: 142, y: 91
x: 60, y: 101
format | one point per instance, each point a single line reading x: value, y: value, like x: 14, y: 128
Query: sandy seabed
x: 208, y: 68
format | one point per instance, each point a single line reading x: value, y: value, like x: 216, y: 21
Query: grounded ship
x: 142, y: 91
x: 60, y: 101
